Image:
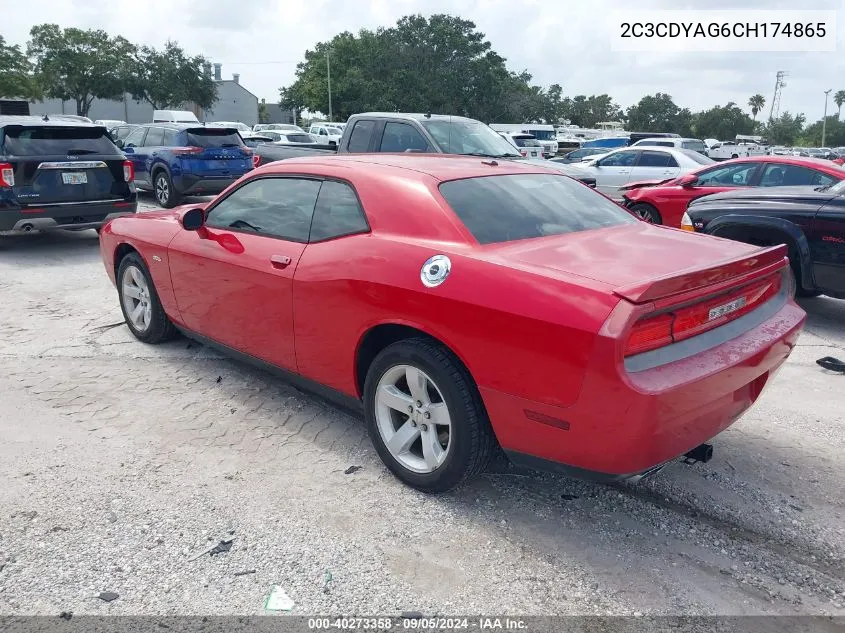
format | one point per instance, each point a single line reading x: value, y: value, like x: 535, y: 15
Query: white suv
x: 694, y: 144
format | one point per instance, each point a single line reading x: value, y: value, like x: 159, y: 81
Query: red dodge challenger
x: 665, y: 202
x: 468, y: 304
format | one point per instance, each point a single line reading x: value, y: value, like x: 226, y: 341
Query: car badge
x: 435, y: 270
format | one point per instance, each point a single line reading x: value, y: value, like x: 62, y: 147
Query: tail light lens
x: 653, y: 332
x: 182, y: 151
x: 128, y: 171
x: 256, y: 160
x: 523, y: 152
x: 7, y: 175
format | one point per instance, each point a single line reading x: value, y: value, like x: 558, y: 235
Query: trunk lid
x: 63, y: 164
x: 221, y: 152
x: 642, y: 262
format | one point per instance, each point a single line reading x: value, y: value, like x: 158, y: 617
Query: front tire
x: 165, y: 194
x: 140, y: 304
x: 647, y: 213
x: 425, y: 416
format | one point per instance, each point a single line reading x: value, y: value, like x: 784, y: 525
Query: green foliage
x: 658, y: 113
x: 839, y: 99
x: 78, y: 65
x: 169, y: 78
x: 16, y: 78
x: 834, y: 133
x: 722, y: 122
x: 785, y: 129
x: 263, y: 115
x: 756, y: 103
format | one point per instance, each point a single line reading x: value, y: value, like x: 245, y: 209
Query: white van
x: 545, y: 134
x: 174, y: 116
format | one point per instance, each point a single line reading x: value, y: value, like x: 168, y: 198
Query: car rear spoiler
x: 757, y: 264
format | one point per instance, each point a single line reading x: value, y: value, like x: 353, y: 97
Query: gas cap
x: 435, y: 270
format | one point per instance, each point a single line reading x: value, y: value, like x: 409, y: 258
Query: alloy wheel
x: 135, y: 294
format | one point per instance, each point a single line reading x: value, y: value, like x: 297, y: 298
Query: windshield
x: 837, y: 188
x: 701, y: 159
x: 462, y: 136
x: 54, y: 140
x: 696, y: 146
x: 518, y: 207
x: 297, y: 138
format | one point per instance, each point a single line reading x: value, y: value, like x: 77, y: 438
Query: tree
x: 834, y: 133
x: 16, y: 78
x: 80, y: 66
x: 656, y: 113
x: 722, y: 122
x: 756, y: 103
x: 169, y: 78
x: 437, y: 64
x: 839, y: 99
x: 263, y: 115
x: 785, y: 129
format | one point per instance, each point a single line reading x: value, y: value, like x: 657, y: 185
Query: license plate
x: 722, y: 310
x: 74, y: 177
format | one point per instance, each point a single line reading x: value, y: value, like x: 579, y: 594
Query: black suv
x: 61, y: 175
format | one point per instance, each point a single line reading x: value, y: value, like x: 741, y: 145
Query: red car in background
x: 665, y: 202
x: 466, y: 304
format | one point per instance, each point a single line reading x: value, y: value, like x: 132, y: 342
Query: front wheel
x: 646, y: 212
x: 140, y: 303
x: 425, y: 417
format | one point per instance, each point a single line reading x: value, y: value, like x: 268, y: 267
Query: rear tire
x: 434, y: 433
x: 647, y: 213
x: 140, y: 304
x: 163, y: 189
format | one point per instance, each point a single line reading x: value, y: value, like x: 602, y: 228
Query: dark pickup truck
x: 809, y: 220
x: 424, y: 133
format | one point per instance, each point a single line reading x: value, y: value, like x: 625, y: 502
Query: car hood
x: 783, y: 194
x: 620, y: 256
x: 570, y: 169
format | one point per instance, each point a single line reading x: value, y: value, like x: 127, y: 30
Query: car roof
x: 11, y: 119
x: 789, y: 160
x: 182, y: 126
x: 415, y: 116
x: 439, y: 166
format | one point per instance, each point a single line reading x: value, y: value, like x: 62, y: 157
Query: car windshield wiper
x: 485, y: 155
x: 822, y: 188
x: 78, y: 152
x: 230, y: 145
x: 241, y: 224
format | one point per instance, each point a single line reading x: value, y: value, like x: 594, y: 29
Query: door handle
x: 280, y: 261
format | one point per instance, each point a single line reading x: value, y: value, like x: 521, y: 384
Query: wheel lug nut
x: 413, y: 424
x: 410, y: 409
x: 419, y: 404
x: 427, y: 415
x: 424, y: 427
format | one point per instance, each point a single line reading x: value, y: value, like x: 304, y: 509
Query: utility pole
x: 824, y: 118
x: 779, y: 85
x: 329, y: 81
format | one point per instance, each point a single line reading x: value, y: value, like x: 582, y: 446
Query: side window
x: 169, y: 138
x: 783, y: 175
x: 736, y: 175
x: 337, y: 213
x: 655, y: 159
x: 136, y: 138
x: 401, y: 137
x: 823, y: 179
x: 359, y: 140
x: 619, y: 159
x: 276, y: 207
x: 155, y: 137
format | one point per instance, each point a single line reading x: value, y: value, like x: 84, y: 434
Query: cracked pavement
x: 121, y: 462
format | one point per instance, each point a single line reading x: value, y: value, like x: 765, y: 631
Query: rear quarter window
x: 56, y: 140
x: 522, y: 206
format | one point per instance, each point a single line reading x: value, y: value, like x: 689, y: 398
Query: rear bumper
x: 626, y: 424
x: 188, y: 184
x: 64, y: 216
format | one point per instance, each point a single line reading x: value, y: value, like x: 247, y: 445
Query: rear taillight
x: 181, y: 151
x: 256, y: 160
x: 523, y: 152
x: 653, y: 332
x: 7, y: 175
x: 128, y: 171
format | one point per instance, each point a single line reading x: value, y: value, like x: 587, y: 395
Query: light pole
x: 824, y: 118
x: 329, y: 81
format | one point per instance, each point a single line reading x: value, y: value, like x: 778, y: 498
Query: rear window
x: 523, y: 206
x: 701, y: 159
x: 214, y: 137
x: 40, y: 141
x: 299, y: 138
x: 696, y: 146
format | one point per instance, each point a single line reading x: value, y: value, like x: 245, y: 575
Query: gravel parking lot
x: 124, y: 463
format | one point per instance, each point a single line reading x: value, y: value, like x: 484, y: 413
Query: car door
x: 233, y: 278
x: 133, y: 148
x: 614, y: 170
x: 827, y: 246
x: 150, y: 150
x: 654, y: 164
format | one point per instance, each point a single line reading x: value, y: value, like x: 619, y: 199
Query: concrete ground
x: 122, y: 464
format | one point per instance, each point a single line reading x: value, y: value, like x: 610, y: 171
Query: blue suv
x: 177, y: 159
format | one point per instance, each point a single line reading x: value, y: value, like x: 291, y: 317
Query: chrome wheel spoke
x: 132, y: 291
x: 138, y: 278
x: 402, y: 439
x: 137, y: 314
x: 439, y: 414
x: 393, y: 397
x: 432, y: 451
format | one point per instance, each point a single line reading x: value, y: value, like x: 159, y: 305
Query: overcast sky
x: 557, y: 42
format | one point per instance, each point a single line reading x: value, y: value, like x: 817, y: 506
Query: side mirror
x: 193, y: 219
x: 687, y: 180
x: 119, y: 142
x: 128, y: 149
